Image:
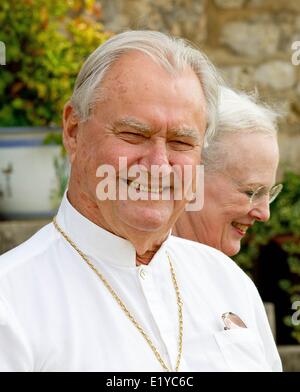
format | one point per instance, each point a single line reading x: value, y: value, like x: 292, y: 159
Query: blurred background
x: 253, y: 43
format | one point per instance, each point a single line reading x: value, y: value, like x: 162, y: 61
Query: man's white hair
x: 173, y: 54
x: 238, y: 113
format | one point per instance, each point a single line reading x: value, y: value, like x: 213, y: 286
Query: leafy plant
x: 46, y: 43
x: 284, y: 223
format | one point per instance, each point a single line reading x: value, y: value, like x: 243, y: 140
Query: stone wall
x: 248, y: 40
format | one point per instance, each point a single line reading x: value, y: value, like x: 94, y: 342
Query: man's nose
x: 157, y: 156
x: 260, y: 211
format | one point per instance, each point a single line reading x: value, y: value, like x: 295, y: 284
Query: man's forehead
x: 126, y: 67
x: 126, y: 63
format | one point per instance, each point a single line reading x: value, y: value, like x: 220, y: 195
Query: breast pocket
x: 242, y: 350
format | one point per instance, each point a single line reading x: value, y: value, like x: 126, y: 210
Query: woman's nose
x: 260, y: 211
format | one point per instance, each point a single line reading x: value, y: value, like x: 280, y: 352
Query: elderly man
x: 105, y: 287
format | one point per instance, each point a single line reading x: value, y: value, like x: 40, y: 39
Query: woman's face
x: 251, y: 162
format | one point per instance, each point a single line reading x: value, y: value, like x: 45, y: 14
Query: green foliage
x: 46, y: 43
x: 284, y: 223
x: 55, y: 138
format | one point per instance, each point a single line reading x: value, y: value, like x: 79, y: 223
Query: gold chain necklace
x: 126, y: 311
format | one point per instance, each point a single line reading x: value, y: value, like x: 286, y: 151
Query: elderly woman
x: 240, y: 169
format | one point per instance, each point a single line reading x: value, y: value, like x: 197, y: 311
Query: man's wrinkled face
x: 150, y: 118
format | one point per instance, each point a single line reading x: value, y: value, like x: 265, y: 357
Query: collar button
x: 143, y: 273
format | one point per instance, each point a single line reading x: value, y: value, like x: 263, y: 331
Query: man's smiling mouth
x: 144, y: 188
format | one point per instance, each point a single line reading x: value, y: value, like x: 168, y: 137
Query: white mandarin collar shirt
x: 57, y: 315
x: 93, y: 240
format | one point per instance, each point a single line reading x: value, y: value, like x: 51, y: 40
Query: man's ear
x: 70, y: 130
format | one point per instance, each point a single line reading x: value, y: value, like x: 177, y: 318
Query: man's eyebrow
x: 147, y: 130
x: 133, y: 123
x: 186, y: 132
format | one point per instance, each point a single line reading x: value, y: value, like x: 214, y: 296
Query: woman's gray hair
x: 238, y: 113
x: 174, y: 54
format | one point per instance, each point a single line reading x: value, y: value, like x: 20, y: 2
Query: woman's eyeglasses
x: 261, y: 192
x: 257, y: 195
